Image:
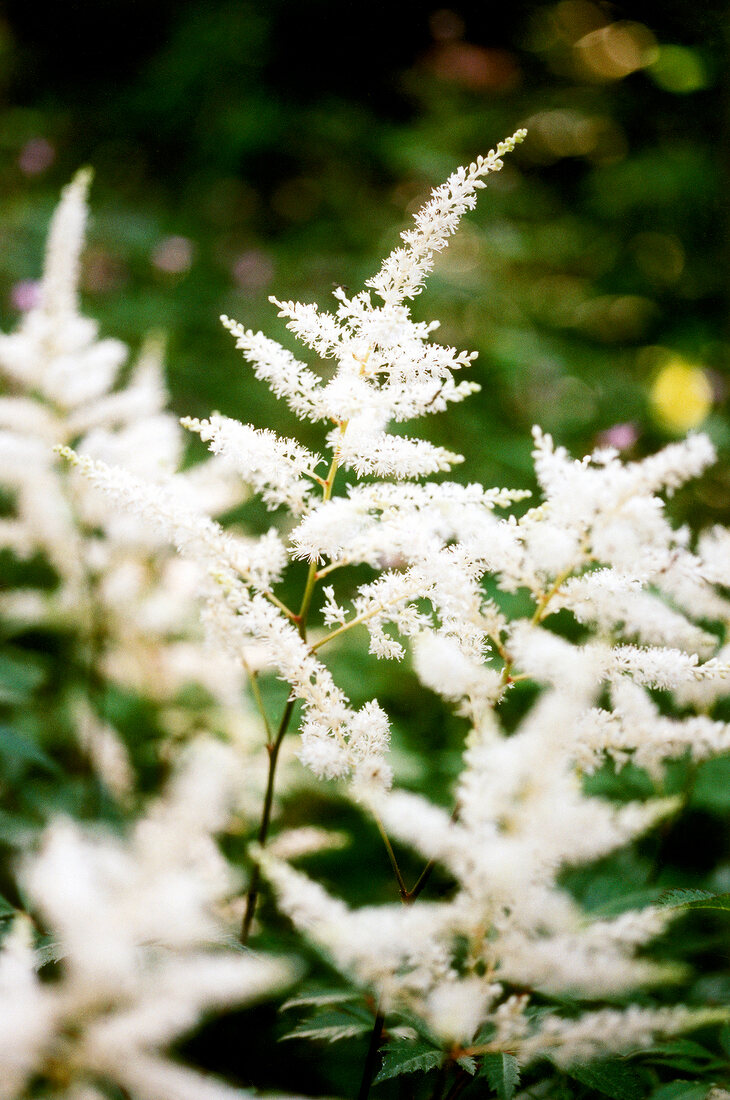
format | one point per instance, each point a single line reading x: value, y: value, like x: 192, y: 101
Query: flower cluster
x: 128, y: 599
x: 521, y: 814
x: 620, y: 636
x: 140, y: 945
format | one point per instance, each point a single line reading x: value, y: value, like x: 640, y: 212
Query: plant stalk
x: 273, y: 747
x: 371, y: 1061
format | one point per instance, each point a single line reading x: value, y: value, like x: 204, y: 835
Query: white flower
x: 141, y: 949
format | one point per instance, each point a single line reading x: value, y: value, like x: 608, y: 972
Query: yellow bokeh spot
x: 681, y: 395
x: 678, y: 69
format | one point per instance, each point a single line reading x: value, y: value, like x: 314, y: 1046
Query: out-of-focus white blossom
x: 142, y: 951
x: 131, y: 603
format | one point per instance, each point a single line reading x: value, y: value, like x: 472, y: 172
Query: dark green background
x: 287, y: 143
x: 293, y: 140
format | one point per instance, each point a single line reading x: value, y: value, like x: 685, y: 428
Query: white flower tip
x: 63, y: 451
x: 82, y: 180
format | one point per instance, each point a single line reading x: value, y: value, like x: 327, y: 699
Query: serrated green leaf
x: 323, y: 998
x: 468, y: 1064
x: 330, y: 1034
x: 329, y: 1027
x: 614, y: 1079
x: 401, y: 1058
x: 683, y: 1054
x: 694, y: 899
x: 502, y: 1072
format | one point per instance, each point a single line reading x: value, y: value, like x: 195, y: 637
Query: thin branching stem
x: 364, y: 617
x: 403, y: 889
x: 371, y: 1060
x: 256, y: 692
x: 459, y: 1086
x: 421, y: 881
x: 327, y: 569
x: 273, y: 747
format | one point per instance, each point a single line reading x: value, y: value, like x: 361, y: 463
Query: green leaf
x: 468, y: 1064
x: 503, y: 1074
x: 725, y: 1038
x: 711, y: 790
x: 614, y: 1079
x: 681, y: 1090
x: 329, y: 1027
x: 408, y: 1058
x: 15, y: 829
x: 323, y: 997
x: 16, y: 747
x: 684, y: 1054
x: 694, y: 899
x: 20, y: 675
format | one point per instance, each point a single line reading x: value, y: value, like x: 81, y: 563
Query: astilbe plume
x: 123, y: 594
x: 140, y: 945
x: 474, y: 973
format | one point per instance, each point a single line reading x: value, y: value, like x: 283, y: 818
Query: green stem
x: 459, y: 1087
x: 301, y: 618
x: 256, y: 691
x: 425, y: 874
x: 273, y: 747
x: 402, y: 888
x: 421, y: 882
x: 371, y: 1061
x: 441, y: 1080
x: 273, y: 750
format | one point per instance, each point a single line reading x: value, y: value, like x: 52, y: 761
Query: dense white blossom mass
x: 646, y: 609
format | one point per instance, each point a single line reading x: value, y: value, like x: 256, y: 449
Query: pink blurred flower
x: 173, y: 255
x: 25, y: 295
x: 620, y: 436
x: 36, y: 156
x: 253, y: 269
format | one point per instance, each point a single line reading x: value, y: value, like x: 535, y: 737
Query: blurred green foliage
x: 243, y: 149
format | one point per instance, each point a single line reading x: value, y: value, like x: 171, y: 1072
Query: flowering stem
x: 402, y: 888
x: 256, y: 692
x: 273, y: 747
x: 459, y: 1087
x: 421, y: 881
x: 371, y: 1061
x: 276, y: 601
x: 273, y: 750
x: 364, y: 617
x: 425, y: 874
x: 443, y: 1073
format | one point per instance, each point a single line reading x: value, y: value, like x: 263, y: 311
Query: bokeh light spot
x: 659, y: 256
x: 173, y: 255
x: 36, y: 156
x: 253, y: 269
x: 681, y: 394
x: 678, y: 69
x: 614, y: 51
